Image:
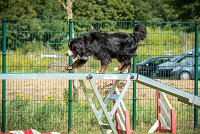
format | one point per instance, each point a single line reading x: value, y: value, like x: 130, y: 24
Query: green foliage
x: 146, y: 10
x: 153, y: 10
x: 45, y: 115
x: 48, y: 9
x: 29, y: 9
x: 49, y: 33
x: 30, y: 48
x: 19, y: 113
x: 26, y: 114
x: 104, y: 10
x: 186, y: 9
x: 51, y: 115
x: 49, y: 111
x: 66, y: 95
x: 16, y: 9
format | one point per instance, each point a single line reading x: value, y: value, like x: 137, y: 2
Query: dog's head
x: 72, y: 50
x: 141, y: 30
x: 77, y: 49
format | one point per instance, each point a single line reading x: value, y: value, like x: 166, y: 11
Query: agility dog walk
x: 183, y: 96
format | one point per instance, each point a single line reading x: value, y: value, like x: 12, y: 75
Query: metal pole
x: 70, y: 82
x: 134, y: 93
x: 196, y: 72
x: 3, y: 128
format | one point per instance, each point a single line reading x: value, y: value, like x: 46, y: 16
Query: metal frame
x: 66, y: 76
x: 183, y: 96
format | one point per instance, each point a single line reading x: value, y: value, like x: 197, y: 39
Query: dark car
x: 164, y: 69
x: 186, y: 70
x: 148, y: 66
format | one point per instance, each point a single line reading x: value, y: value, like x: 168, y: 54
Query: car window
x: 187, y: 61
x: 186, y: 53
x: 158, y: 61
x: 186, y: 58
x: 176, y: 58
x: 165, y: 59
x: 182, y: 58
x: 161, y: 60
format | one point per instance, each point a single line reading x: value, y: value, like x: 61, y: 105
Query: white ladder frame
x: 103, y: 103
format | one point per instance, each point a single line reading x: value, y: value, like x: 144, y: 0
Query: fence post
x: 196, y: 71
x: 3, y: 125
x: 70, y: 82
x: 134, y: 93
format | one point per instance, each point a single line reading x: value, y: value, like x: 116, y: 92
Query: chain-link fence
x: 35, y: 46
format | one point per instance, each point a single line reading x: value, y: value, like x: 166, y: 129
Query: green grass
x: 51, y: 115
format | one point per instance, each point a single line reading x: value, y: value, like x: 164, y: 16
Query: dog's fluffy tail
x: 140, y: 33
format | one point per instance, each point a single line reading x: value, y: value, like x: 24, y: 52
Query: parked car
x: 186, y: 70
x: 164, y: 69
x: 148, y: 66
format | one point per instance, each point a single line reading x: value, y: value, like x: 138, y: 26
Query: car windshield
x: 177, y: 57
x: 144, y: 61
x: 187, y: 52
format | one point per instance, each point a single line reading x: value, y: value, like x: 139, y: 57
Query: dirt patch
x: 47, y: 89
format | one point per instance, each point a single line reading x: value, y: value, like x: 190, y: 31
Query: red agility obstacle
x: 166, y: 116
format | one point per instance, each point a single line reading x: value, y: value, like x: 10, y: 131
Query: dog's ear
x: 86, y: 38
x: 71, y: 44
x: 78, y: 45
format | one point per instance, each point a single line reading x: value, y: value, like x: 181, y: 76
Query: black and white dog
x: 105, y: 47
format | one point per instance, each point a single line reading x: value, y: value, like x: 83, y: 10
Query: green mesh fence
x: 35, y: 46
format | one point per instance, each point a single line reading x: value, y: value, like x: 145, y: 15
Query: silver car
x: 164, y: 69
x: 186, y: 70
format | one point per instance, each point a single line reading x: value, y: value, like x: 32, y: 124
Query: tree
x: 67, y: 5
x: 153, y: 10
x: 186, y: 9
x: 145, y: 10
x: 16, y: 9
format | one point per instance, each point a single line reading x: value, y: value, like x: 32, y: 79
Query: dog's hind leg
x: 77, y: 64
x: 128, y: 68
x: 125, y: 68
x: 104, y: 64
x: 117, y: 68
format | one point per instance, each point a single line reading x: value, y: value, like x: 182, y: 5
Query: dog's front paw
x: 97, y: 72
x: 100, y: 72
x: 124, y: 71
x: 116, y: 69
x: 69, y: 68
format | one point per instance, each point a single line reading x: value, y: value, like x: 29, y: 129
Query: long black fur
x: 105, y: 47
